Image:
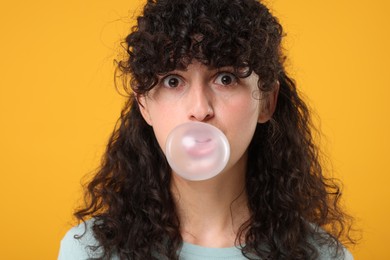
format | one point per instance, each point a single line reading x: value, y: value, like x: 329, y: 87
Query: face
x: 214, y: 96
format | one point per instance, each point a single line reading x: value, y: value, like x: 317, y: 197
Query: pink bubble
x: 197, y: 151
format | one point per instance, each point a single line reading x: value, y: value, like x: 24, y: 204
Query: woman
x: 218, y: 62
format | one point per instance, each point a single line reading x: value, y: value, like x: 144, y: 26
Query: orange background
x: 58, y: 106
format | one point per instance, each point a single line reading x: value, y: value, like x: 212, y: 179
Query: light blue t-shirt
x: 77, y: 249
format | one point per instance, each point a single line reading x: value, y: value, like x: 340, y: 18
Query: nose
x: 200, y: 105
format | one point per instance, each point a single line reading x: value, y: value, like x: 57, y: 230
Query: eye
x: 172, y: 81
x: 225, y: 78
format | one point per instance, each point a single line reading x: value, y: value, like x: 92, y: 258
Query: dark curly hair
x: 288, y: 195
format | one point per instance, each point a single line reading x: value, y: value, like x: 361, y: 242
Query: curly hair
x: 129, y: 197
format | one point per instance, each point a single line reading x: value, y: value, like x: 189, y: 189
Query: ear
x: 269, y: 106
x: 143, y: 108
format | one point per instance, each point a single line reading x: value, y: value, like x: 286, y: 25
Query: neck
x: 212, y: 211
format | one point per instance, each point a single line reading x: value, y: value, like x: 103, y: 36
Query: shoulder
x: 328, y: 249
x: 79, y: 242
x: 331, y: 252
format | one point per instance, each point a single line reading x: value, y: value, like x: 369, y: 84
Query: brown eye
x: 225, y: 79
x: 172, y: 81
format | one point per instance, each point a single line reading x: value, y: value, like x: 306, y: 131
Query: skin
x: 235, y: 106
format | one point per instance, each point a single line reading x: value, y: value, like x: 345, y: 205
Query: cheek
x: 160, y: 136
x: 163, y: 121
x: 242, y: 124
x: 243, y: 112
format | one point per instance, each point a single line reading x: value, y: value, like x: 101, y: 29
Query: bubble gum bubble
x: 197, y: 151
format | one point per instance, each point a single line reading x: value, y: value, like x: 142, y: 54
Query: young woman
x: 217, y: 62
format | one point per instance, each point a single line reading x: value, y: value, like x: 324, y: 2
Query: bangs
x: 217, y: 33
